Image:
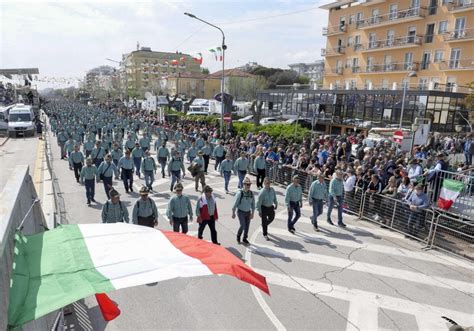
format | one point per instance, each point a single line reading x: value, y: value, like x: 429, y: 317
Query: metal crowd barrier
x: 396, y: 214
x: 453, y: 234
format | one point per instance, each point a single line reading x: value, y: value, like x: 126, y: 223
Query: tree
x: 303, y: 80
x: 256, y: 110
x: 205, y: 71
x: 188, y: 103
x: 469, y: 104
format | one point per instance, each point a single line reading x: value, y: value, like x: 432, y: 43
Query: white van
x: 21, y: 120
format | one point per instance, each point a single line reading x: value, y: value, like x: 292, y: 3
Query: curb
x: 4, y: 142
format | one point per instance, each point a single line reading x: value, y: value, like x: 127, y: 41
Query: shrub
x: 276, y: 131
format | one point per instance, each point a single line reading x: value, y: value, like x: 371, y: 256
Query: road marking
x: 323, y: 240
x: 258, y: 295
x: 362, y: 314
x: 427, y: 315
x: 370, y: 268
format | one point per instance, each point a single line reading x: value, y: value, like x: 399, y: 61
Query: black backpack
x: 242, y: 195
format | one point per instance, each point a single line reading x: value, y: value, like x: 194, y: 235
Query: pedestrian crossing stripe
x: 343, y: 263
x: 382, y: 249
x: 428, y: 317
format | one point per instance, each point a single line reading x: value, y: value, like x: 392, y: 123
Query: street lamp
x: 224, y: 47
x: 405, y: 83
x: 125, y: 76
x: 414, y: 128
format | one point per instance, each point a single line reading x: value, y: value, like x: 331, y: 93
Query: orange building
x: 378, y: 44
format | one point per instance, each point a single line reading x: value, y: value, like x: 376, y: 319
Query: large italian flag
x: 55, y: 268
x: 449, y: 192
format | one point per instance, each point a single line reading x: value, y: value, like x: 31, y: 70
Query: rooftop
x: 231, y: 73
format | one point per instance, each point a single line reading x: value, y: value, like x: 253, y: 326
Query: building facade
x: 143, y: 69
x: 314, y: 70
x: 191, y: 84
x: 240, y: 84
x: 375, y: 44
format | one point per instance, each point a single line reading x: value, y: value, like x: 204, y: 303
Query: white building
x: 314, y: 70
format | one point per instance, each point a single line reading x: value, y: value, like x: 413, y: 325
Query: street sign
x: 398, y: 136
x: 228, y: 118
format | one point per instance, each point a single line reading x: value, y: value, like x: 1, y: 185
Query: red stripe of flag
x: 218, y: 259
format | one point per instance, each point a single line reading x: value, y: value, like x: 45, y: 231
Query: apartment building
x: 314, y: 70
x: 376, y: 44
x: 143, y: 69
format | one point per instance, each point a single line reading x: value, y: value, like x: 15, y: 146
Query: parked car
x: 21, y: 120
x: 304, y: 122
x: 269, y: 120
x: 248, y: 118
x: 197, y: 113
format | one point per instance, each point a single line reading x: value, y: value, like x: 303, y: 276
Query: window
x: 425, y: 60
x: 433, y: 6
x: 423, y: 83
x: 372, y: 40
x: 352, y: 19
x: 393, y: 12
x: 385, y: 84
x: 429, y: 33
x: 350, y: 41
x: 454, y: 58
x: 408, y: 65
x: 438, y: 56
x: 357, y: 42
x: 442, y: 27
x: 359, y: 18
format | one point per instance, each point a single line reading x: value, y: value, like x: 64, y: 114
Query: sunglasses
x: 247, y: 184
x: 179, y: 190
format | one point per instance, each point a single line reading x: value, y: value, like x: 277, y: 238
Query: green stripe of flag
x: 453, y: 185
x: 60, y: 262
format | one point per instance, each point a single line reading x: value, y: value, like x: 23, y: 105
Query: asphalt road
x: 358, y: 278
x: 14, y: 152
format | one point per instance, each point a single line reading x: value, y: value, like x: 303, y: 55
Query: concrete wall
x: 15, y: 201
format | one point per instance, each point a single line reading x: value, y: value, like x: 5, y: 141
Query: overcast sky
x: 67, y: 38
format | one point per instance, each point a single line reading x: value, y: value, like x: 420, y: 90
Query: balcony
x: 332, y: 51
x: 390, y: 68
x: 334, y: 30
x: 406, y: 15
x: 399, y: 42
x: 334, y: 72
x: 457, y: 65
x: 460, y: 6
x: 459, y: 35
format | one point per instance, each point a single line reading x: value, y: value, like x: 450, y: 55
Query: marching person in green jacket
x: 198, y: 168
x: 76, y: 160
x: 318, y: 192
x: 149, y: 170
x: 241, y: 166
x: 244, y: 203
x: 336, y: 196
x: 130, y: 143
x: 175, y: 166
x: 206, y: 154
x: 88, y: 146
x: 69, y: 146
x: 226, y: 167
x: 88, y: 175
x: 179, y: 208
x: 144, y: 210
x: 97, y: 154
x: 267, y: 203
x: 294, y: 202
x: 163, y: 154
x: 192, y: 152
x: 116, y: 153
x: 259, y: 166
x: 105, y: 173
x: 218, y: 154
x: 137, y: 154
x: 114, y: 211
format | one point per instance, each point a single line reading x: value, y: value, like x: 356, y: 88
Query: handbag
x: 101, y: 176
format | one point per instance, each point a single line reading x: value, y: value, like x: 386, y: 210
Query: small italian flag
x: 449, y: 192
x: 55, y: 268
x: 197, y: 58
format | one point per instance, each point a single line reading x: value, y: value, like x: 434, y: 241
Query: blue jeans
x: 293, y: 207
x: 242, y: 175
x: 175, y: 177
x: 244, y: 220
x: 468, y: 157
x: 317, y: 210
x: 226, y: 179
x: 107, y: 186
x: 415, y: 222
x: 332, y: 201
x: 137, y: 161
x: 90, y: 189
x: 149, y: 178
